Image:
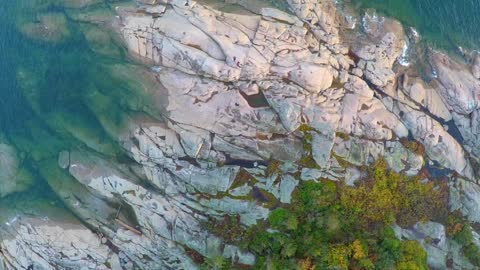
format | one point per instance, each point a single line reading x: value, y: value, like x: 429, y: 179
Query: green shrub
x: 343, y: 136
x: 228, y: 228
x: 273, y: 168
x: 464, y: 237
x: 388, y: 196
x: 283, y: 219
x: 413, y: 255
x: 414, y: 146
x: 472, y: 253
x: 332, y: 226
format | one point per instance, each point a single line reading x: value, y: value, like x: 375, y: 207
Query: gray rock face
x: 44, y: 236
x: 161, y: 221
x: 440, y: 249
x: 432, y: 237
x: 424, y: 97
x: 460, y: 89
x: 238, y: 88
x: 51, y: 245
x: 401, y: 159
x: 439, y: 144
x: 385, y: 41
x: 465, y: 196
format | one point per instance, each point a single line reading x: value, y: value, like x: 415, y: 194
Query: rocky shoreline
x: 236, y: 91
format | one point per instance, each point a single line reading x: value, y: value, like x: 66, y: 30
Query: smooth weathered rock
x: 469, y: 127
x: 162, y: 221
x: 401, y: 159
x: 440, y: 145
x: 36, y: 233
x: 386, y: 40
x: 427, y: 97
x: 367, y: 117
x: 358, y: 151
x: 465, y: 197
x: 352, y: 175
x: 48, y: 245
x: 321, y: 16
x: 459, y: 88
x: 432, y: 237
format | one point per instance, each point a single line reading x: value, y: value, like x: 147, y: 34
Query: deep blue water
x: 444, y: 23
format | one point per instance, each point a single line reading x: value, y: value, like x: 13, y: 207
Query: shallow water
x: 62, y: 86
x: 444, y: 23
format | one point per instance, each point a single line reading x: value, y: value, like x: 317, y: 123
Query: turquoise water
x: 64, y: 84
x: 444, y: 23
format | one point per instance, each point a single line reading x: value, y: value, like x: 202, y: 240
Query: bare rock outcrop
x: 47, y: 237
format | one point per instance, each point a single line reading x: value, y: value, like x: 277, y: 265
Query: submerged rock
x: 49, y: 27
x: 13, y: 177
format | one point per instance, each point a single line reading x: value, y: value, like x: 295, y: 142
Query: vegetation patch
x: 243, y: 177
x: 343, y: 136
x: 333, y: 226
x: 414, y: 146
x: 228, y: 228
x: 461, y: 232
x: 273, y: 168
x: 305, y: 128
x: 307, y: 160
x: 264, y: 198
x: 342, y: 162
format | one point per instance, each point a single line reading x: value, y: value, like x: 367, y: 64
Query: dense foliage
x: 461, y: 232
x: 332, y: 226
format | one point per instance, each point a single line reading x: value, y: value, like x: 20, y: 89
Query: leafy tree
x: 332, y: 226
x: 464, y: 237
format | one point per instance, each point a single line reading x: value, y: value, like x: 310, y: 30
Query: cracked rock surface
x: 235, y: 89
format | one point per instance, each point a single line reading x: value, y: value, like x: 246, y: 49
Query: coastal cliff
x: 247, y: 101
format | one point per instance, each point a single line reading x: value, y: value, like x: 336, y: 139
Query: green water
x: 64, y: 84
x: 443, y: 23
